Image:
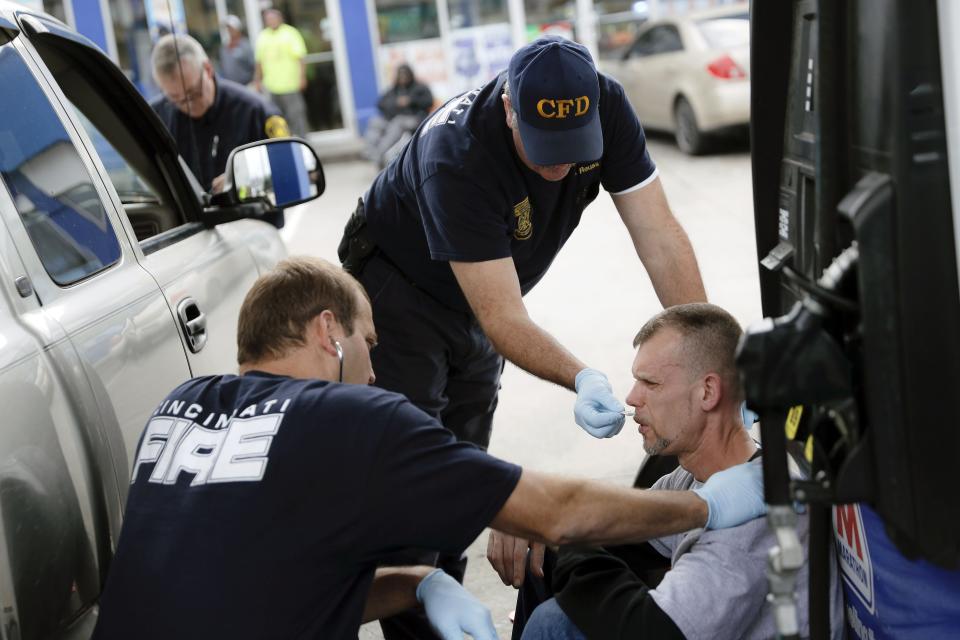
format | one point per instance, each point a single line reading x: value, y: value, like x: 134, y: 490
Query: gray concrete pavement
x: 594, y: 299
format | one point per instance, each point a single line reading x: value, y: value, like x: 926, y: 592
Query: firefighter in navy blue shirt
x: 207, y: 115
x: 261, y: 504
x: 469, y: 217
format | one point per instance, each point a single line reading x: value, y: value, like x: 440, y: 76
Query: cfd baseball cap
x: 555, y: 90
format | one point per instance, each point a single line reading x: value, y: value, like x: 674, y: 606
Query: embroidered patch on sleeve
x: 524, y: 225
x: 276, y: 127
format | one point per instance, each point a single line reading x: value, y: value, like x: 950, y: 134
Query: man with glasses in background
x: 207, y: 115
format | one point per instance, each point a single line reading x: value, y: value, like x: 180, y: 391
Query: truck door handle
x: 194, y: 324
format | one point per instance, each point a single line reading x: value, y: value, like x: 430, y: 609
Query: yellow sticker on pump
x: 793, y: 421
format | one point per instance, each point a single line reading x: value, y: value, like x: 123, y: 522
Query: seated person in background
x: 402, y: 108
x: 208, y: 116
x: 687, y: 398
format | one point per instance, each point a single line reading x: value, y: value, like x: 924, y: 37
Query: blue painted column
x: 90, y: 21
x: 363, y: 70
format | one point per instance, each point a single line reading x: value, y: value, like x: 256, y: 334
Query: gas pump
x: 857, y: 365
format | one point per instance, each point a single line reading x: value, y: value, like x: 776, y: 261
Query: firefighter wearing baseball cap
x: 469, y: 217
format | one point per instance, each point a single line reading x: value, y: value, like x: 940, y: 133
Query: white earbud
x: 336, y: 345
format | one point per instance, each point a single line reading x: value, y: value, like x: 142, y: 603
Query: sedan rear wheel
x: 688, y: 135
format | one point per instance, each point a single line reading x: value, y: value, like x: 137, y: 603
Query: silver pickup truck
x: 119, y: 279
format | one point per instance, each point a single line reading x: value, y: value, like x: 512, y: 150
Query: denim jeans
x: 549, y: 622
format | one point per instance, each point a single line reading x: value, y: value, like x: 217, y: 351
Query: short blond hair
x: 710, y: 338
x: 280, y: 304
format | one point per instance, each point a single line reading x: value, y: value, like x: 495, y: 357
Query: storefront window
x: 404, y: 20
x: 480, y: 42
x: 203, y: 24
x: 551, y: 17
x: 618, y: 22
x: 310, y: 19
x: 237, y: 8
x: 55, y: 8
x: 322, y: 93
x: 138, y: 24
x: 133, y: 42
x: 474, y: 13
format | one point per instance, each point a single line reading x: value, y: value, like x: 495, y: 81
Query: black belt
x: 356, y: 249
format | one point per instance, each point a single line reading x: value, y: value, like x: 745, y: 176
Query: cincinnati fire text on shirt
x: 213, y: 446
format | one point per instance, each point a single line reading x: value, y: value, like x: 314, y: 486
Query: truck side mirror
x: 282, y: 172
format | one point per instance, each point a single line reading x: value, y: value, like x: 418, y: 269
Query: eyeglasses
x: 193, y: 95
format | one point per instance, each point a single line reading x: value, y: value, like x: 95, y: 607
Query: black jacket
x: 605, y: 592
x: 237, y: 116
x: 421, y: 100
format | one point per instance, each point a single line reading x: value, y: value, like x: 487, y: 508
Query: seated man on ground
x: 687, y: 399
x: 261, y: 504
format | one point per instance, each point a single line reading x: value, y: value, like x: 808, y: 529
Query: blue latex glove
x: 597, y: 410
x: 452, y: 610
x: 734, y: 495
x: 748, y: 415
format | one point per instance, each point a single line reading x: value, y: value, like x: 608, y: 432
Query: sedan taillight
x: 726, y: 69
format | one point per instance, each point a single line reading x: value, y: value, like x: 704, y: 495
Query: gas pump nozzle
x: 788, y: 362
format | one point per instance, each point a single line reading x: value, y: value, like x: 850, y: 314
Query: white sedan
x: 689, y: 74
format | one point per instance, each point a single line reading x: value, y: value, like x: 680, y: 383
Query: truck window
x: 143, y: 205
x: 132, y: 165
x: 130, y: 185
x: 47, y: 181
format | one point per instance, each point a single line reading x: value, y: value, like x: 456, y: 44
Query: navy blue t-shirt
x: 460, y: 192
x: 260, y: 505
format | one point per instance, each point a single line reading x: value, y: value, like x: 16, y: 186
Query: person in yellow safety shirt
x: 281, y: 70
